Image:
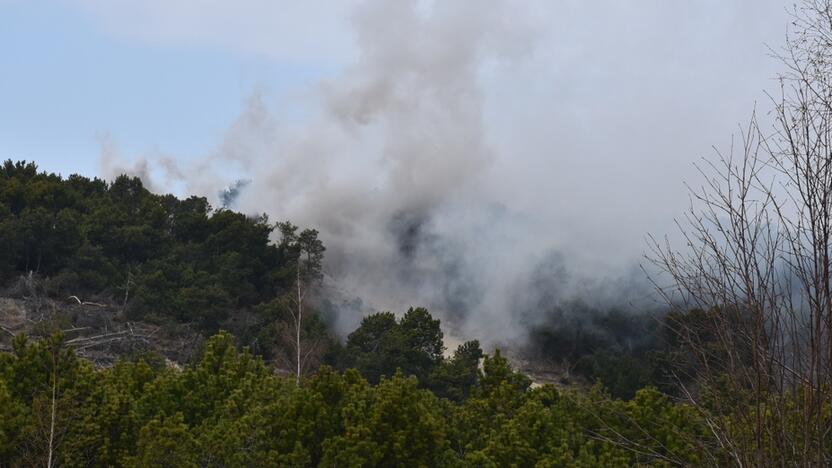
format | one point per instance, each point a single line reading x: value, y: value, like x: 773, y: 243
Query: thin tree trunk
x: 127, y: 289
x: 298, y: 324
x: 49, y: 462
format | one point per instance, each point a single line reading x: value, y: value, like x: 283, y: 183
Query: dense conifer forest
x: 167, y: 259
x: 388, y: 395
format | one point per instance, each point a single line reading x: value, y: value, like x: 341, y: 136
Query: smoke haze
x: 485, y: 159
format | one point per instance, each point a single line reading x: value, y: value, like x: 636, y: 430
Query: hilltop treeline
x: 172, y: 261
x: 163, y: 259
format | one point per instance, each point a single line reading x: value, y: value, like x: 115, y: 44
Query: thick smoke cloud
x: 488, y: 160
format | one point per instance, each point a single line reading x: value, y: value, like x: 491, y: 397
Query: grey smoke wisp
x: 488, y: 160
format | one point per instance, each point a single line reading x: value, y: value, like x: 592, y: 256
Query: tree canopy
x: 165, y: 259
x: 229, y: 409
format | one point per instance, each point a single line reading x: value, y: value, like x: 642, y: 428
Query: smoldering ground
x: 494, y: 162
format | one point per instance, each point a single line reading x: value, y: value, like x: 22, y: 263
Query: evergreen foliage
x: 164, y: 259
x: 229, y: 409
x: 389, y: 396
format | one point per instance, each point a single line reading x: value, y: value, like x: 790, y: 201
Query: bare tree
x: 55, y: 352
x: 756, y: 263
x: 307, y: 252
x: 51, y: 411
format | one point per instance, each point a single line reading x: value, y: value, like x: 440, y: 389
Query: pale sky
x: 164, y: 76
x: 170, y: 75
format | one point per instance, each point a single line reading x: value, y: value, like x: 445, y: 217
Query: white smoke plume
x: 461, y: 163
